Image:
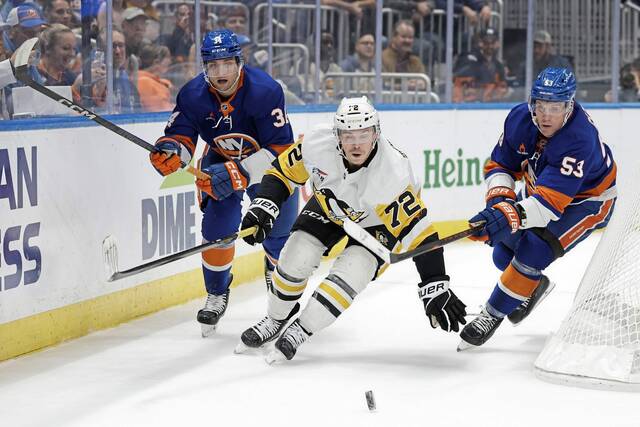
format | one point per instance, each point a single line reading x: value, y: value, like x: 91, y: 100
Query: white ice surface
x: 158, y: 371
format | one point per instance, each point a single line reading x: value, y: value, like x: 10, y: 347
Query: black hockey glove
x: 442, y: 306
x: 262, y: 214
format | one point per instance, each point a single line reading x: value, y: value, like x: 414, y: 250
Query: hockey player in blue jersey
x: 570, y: 190
x: 239, y: 112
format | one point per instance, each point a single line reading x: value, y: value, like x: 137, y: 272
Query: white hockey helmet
x: 353, y: 114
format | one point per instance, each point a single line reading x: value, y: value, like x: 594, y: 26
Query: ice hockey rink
x: 158, y: 371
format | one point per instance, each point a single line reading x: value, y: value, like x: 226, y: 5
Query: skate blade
x: 242, y: 348
x: 464, y: 346
x: 274, y: 356
x: 207, y: 330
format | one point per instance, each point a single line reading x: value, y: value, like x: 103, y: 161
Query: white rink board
x: 92, y: 183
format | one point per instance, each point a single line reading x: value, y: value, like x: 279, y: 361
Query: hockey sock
x: 515, y: 285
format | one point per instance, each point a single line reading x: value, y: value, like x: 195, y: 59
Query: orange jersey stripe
x: 558, y: 200
x: 517, y: 282
x: 491, y: 165
x: 279, y: 148
x: 219, y: 257
x: 600, y: 188
x: 586, y: 224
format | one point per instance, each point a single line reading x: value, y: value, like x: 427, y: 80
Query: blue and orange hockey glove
x: 225, y: 179
x: 502, y: 219
x: 167, y: 159
x: 496, y: 195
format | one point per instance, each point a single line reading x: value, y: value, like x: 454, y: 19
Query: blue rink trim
x: 127, y: 119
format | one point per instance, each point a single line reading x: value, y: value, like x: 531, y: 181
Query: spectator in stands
x: 117, y: 9
x: 155, y: 91
x: 134, y: 24
x: 327, y: 65
x: 57, y: 48
x: 126, y: 97
x: 363, y: 58
x: 543, y: 56
x: 479, y: 75
x: 234, y: 18
x: 25, y: 21
x: 183, y: 36
x: 146, y: 5
x: 59, y: 11
x: 398, y: 57
x: 354, y: 7
x: 476, y: 11
x: 629, y: 86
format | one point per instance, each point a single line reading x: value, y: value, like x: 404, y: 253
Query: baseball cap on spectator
x: 132, y: 13
x: 489, y: 33
x: 542, y: 37
x: 27, y: 15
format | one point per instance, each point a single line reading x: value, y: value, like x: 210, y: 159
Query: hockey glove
x: 225, y: 179
x: 502, y: 220
x: 496, y: 195
x: 262, y: 213
x: 442, y: 306
x: 167, y: 159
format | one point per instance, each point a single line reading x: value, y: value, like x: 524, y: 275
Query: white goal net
x: 598, y: 343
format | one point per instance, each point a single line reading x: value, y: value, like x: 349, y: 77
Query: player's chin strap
x: 232, y: 88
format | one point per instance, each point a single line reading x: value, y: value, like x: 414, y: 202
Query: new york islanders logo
x: 236, y: 146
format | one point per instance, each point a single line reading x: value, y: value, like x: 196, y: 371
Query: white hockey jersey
x: 384, y: 191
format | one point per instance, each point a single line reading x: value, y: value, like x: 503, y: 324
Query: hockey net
x: 598, y: 342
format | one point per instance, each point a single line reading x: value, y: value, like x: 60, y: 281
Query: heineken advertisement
x: 447, y: 171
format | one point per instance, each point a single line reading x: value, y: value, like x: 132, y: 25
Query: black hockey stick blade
x: 423, y: 249
x: 110, y: 255
x: 22, y: 74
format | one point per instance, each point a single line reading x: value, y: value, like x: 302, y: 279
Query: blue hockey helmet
x: 220, y: 44
x: 554, y: 85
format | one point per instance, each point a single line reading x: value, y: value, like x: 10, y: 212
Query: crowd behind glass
x: 154, y: 49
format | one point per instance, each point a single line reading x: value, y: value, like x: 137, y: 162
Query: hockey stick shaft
x: 117, y: 275
x: 362, y: 236
x: 22, y: 74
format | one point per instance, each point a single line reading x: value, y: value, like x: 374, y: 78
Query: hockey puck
x: 371, y: 402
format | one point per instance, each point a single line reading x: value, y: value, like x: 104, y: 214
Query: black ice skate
x: 288, y: 343
x: 479, y: 330
x: 212, y: 312
x: 264, y: 331
x: 544, y: 288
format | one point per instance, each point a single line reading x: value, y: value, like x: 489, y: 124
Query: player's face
x: 357, y: 144
x: 222, y: 73
x: 550, y: 116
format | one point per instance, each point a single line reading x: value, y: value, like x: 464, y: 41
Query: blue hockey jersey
x: 254, y: 117
x: 571, y: 166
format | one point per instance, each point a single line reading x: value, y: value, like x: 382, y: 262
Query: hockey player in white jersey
x: 356, y: 168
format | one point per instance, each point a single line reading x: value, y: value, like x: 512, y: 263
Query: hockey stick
x: 22, y: 74
x: 110, y: 255
x: 367, y: 240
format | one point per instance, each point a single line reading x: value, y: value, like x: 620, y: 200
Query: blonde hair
x: 51, y: 35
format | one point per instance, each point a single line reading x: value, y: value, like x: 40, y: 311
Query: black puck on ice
x: 371, y: 401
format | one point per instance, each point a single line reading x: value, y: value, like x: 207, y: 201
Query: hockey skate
x: 540, y: 293
x: 286, y: 346
x: 212, y: 312
x: 264, y: 331
x: 478, y: 331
